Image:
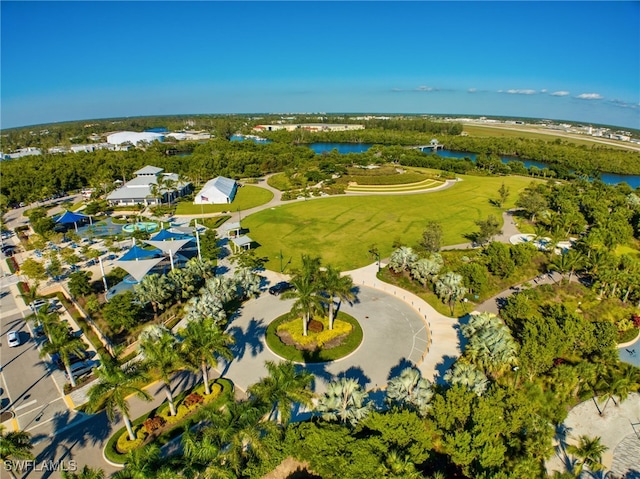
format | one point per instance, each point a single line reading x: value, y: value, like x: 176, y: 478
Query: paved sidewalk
x: 444, y: 340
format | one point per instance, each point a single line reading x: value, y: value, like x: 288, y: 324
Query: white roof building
x: 133, y: 137
x: 219, y: 190
x: 141, y: 188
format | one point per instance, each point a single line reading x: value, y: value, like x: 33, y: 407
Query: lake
x: 343, y: 148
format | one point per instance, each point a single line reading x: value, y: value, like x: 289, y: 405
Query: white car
x: 14, y: 339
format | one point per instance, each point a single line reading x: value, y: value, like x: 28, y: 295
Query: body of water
x: 255, y: 139
x: 631, y: 354
x: 157, y: 130
x: 343, y: 148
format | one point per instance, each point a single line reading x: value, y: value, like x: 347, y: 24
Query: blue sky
x: 81, y: 60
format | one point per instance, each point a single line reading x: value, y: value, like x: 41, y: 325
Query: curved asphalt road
x: 394, y: 333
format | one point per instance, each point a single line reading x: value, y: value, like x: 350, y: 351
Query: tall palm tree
x: 115, y: 384
x: 14, y: 445
x: 491, y: 346
x: 206, y: 305
x: 308, y: 302
x: 344, y: 401
x: 203, y: 341
x: 285, y: 385
x: 64, y: 344
x: 337, y: 287
x: 183, y: 283
x: 410, y: 389
x: 160, y: 350
x: 202, y: 456
x: 589, y: 451
x: 247, y: 281
x: 396, y: 466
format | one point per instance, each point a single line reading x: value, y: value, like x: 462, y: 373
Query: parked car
x: 13, y: 338
x: 37, y: 304
x: 73, y: 359
x: 280, y: 288
x: 81, y: 369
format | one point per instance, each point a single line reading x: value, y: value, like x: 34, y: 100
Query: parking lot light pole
x: 104, y: 278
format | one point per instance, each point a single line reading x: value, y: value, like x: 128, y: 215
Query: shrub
x: 154, y: 423
x: 124, y: 445
x: 193, y: 399
x: 23, y: 288
x: 635, y: 318
x: 294, y: 328
x: 12, y: 264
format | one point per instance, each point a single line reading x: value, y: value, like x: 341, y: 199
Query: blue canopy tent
x: 69, y: 217
x: 165, y: 235
x: 137, y: 253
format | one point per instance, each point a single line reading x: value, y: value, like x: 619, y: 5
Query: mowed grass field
x: 341, y: 229
x: 247, y: 197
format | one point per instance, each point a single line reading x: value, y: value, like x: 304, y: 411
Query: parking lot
x: 31, y: 387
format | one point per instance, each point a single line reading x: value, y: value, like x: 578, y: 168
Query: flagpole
x: 198, y: 240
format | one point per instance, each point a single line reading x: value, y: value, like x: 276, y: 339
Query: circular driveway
x: 393, y: 334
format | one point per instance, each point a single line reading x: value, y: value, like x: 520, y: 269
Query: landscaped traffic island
x: 285, y: 338
x: 159, y: 427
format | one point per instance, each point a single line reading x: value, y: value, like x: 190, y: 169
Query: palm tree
x: 247, y: 281
x: 491, y: 346
x: 285, y: 385
x: 467, y: 375
x: 396, y: 466
x: 86, y: 473
x: 183, y: 283
x: 344, y: 401
x: 449, y: 288
x: 114, y: 385
x: 141, y: 463
x: 410, y: 389
x: 206, y: 305
x: 589, y: 452
x: 203, y: 341
x: 308, y: 302
x: 14, y: 445
x: 202, y: 456
x: 336, y: 287
x: 402, y: 259
x: 155, y: 289
x: 237, y: 433
x: 160, y: 350
x: 201, y: 268
x: 618, y: 383
x: 426, y: 269
x: 64, y: 344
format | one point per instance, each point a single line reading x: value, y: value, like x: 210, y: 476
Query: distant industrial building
x: 143, y: 190
x: 21, y: 153
x: 219, y: 190
x: 309, y: 127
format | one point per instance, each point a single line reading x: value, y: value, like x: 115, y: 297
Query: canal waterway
x: 344, y: 148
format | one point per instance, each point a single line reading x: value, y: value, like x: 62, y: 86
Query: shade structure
x: 165, y: 235
x: 242, y: 242
x: 138, y: 269
x: 136, y: 253
x: 168, y: 247
x: 69, y: 217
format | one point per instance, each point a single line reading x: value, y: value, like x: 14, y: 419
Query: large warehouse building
x: 133, y: 137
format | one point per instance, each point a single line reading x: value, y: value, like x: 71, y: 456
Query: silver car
x: 13, y: 338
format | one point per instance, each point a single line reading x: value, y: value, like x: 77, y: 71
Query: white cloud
x: 560, y: 93
x: 425, y: 88
x: 624, y: 104
x: 472, y: 90
x: 544, y: 90
x: 521, y: 92
x: 590, y: 96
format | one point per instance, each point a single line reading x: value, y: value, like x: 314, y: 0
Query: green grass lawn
x: 341, y: 229
x: 247, y: 197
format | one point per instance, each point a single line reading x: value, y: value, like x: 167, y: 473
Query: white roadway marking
x: 27, y: 404
x: 37, y: 408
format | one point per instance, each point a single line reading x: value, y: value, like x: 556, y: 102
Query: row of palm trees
x: 198, y: 348
x: 447, y: 286
x: 315, y: 288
